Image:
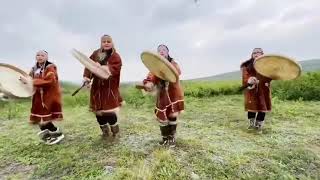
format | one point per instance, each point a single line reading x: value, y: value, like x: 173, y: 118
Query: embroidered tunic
x: 46, y: 102
x: 170, y: 98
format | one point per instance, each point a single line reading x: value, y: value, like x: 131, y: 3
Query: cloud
x: 206, y: 38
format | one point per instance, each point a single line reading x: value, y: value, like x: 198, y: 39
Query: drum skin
x: 10, y: 83
x: 277, y: 67
x: 159, y: 66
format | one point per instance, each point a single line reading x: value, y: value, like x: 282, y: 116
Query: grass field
x: 212, y: 143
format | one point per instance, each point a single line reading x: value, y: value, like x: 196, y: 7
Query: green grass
x: 213, y: 142
x: 209, y: 89
x: 306, y: 87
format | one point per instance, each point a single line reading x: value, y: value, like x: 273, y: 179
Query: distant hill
x: 307, y: 66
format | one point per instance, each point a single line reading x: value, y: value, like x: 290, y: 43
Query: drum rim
x: 75, y: 54
x: 169, y: 65
x: 293, y: 61
x: 23, y: 73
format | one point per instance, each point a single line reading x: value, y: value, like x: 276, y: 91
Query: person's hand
x: 86, y: 82
x: 149, y: 86
x: 253, y: 80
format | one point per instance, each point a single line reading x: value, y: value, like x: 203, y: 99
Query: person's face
x: 256, y: 54
x: 106, y: 43
x: 163, y: 51
x: 41, y: 57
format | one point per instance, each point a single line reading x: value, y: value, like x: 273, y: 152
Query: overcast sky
x: 206, y: 38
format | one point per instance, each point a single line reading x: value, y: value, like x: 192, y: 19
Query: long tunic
x: 170, y: 98
x: 257, y: 99
x: 46, y: 102
x: 104, y: 95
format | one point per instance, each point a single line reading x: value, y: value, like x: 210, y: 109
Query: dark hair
x: 249, y: 65
x: 164, y: 46
x: 169, y: 57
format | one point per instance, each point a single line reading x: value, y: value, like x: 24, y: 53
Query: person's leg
x: 165, y: 130
x: 112, y: 120
x: 103, y: 125
x: 260, y: 120
x: 251, y: 118
x: 50, y: 133
x: 172, y: 131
